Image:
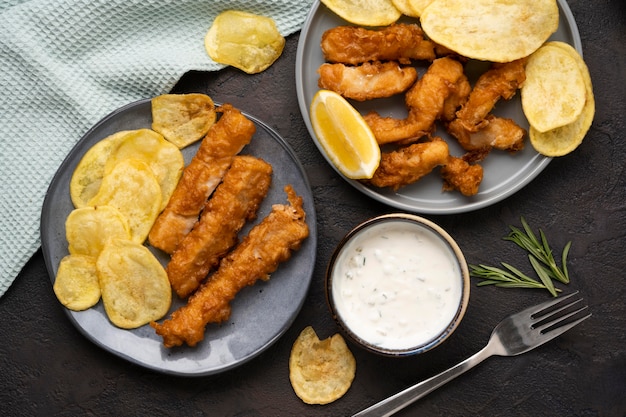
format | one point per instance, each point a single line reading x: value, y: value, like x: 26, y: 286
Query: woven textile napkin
x: 65, y: 64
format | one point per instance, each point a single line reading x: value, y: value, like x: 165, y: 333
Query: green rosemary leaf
x: 564, y: 261
x: 519, y: 273
x: 543, y: 275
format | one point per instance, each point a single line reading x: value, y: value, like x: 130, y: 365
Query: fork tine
x: 539, y: 309
x: 554, y: 313
x: 554, y: 321
x: 557, y: 331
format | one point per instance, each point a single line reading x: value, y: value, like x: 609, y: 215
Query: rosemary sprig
x: 510, y: 277
x: 540, y: 250
x: 540, y: 257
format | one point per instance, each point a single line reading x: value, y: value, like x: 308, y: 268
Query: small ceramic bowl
x: 398, y: 285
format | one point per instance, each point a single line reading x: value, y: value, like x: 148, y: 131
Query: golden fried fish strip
x: 443, y: 85
x: 234, y: 202
x: 495, y: 132
x: 355, y: 45
x: 224, y: 140
x: 368, y: 80
x: 500, y: 81
x: 409, y: 164
x: 267, y: 245
x: 459, y: 174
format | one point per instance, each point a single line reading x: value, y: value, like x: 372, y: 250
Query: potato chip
x: 246, y: 41
x: 134, y: 284
x: 365, y: 12
x: 182, y: 118
x: 413, y: 8
x: 87, y: 229
x: 164, y: 158
x: 76, y: 285
x: 565, y: 139
x: 491, y: 30
x: 87, y: 176
x: 132, y: 188
x: 554, y: 92
x: 320, y: 371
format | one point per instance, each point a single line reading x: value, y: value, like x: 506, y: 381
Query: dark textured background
x: 48, y: 368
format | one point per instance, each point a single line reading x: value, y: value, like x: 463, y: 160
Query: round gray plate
x: 260, y: 313
x: 504, y: 174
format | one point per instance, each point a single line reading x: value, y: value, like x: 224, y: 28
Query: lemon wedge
x: 344, y: 135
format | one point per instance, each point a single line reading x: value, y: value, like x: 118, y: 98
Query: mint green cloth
x: 65, y: 64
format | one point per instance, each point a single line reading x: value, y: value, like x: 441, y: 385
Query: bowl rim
x: 446, y: 239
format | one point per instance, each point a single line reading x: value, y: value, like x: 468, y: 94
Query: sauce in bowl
x: 398, y: 283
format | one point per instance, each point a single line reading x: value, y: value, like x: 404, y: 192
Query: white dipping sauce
x: 396, y: 285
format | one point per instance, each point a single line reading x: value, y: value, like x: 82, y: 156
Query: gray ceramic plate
x: 504, y: 174
x: 260, y: 313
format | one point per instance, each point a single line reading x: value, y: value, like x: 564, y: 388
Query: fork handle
x: 402, y: 399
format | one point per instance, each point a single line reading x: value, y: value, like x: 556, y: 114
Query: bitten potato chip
x: 365, y: 12
x: 76, y: 285
x: 134, y: 284
x: 132, y: 188
x: 565, y: 139
x: 87, y: 229
x: 554, y: 92
x: 491, y: 30
x: 320, y: 371
x: 164, y: 158
x: 246, y: 41
x: 87, y: 176
x: 183, y: 118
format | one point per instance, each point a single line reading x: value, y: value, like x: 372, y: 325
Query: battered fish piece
x: 225, y: 139
x: 234, y: 202
x: 267, y: 245
x: 495, y: 132
x: 459, y: 174
x: 500, y: 81
x: 443, y: 86
x: 356, y: 45
x: 407, y: 165
x: 368, y: 80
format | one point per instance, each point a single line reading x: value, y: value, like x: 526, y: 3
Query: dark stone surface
x: 48, y: 368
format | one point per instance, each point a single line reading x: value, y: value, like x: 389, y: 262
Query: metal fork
x: 514, y: 335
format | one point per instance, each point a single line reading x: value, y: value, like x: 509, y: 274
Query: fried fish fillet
x: 267, y: 245
x: 225, y: 139
x: 355, y: 45
x: 441, y: 88
x: 495, y: 132
x: 367, y: 81
x: 407, y: 165
x: 234, y: 202
x: 500, y: 81
x: 459, y: 174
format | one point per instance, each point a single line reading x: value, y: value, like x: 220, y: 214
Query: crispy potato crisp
x: 320, y: 371
x: 365, y: 12
x: 413, y: 8
x: 134, y: 285
x: 87, y: 176
x: 132, y: 188
x: 76, y: 285
x: 183, y: 118
x: 565, y: 139
x: 554, y: 92
x: 491, y: 30
x: 87, y: 229
x: 246, y: 41
x: 164, y: 158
